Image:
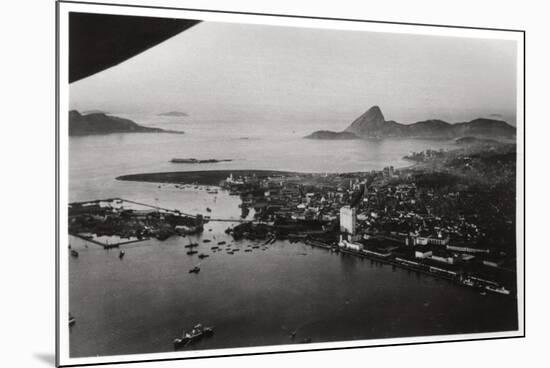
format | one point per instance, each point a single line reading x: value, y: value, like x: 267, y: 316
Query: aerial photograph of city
x: 239, y: 185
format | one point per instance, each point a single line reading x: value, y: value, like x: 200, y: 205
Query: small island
x: 195, y: 161
x: 329, y: 135
x: 174, y: 114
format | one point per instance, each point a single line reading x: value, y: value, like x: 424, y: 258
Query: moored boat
x: 196, y: 333
x: 500, y: 290
x: 72, y: 320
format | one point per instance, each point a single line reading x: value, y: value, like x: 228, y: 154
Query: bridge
x: 226, y: 220
x: 179, y: 213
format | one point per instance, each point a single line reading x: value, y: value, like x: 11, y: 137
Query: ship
x: 72, y: 320
x: 196, y: 333
x: 500, y: 290
x: 195, y: 269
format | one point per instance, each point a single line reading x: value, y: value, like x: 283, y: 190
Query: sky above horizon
x: 225, y: 71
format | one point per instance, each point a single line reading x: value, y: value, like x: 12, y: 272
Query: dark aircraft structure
x: 100, y: 41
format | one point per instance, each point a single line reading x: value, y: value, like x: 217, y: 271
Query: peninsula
x: 451, y: 216
x: 101, y: 123
x: 209, y: 177
x: 372, y: 124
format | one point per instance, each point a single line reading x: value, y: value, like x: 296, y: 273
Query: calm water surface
x: 139, y: 304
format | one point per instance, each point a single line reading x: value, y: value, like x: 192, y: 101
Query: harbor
x: 346, y: 303
x: 292, y: 286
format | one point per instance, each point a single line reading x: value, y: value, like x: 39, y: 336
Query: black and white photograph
x: 233, y: 183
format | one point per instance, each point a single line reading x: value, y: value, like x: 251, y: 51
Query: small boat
x: 208, y: 209
x: 307, y: 340
x: 221, y: 243
x: 293, y: 334
x: 500, y: 290
x: 248, y: 250
x: 195, y: 269
x: 74, y: 253
x: 196, y: 333
x: 214, y: 247
x: 236, y: 250
x: 72, y: 320
x: 192, y: 245
x: 121, y: 254
x: 202, y: 255
x: 191, y: 252
x: 206, y: 241
x: 255, y: 246
x: 229, y: 252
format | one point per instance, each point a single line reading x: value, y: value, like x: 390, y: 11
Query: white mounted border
x: 62, y: 147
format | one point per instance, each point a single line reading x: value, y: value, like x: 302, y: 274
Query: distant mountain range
x: 100, y: 123
x: 372, y: 124
x: 174, y: 113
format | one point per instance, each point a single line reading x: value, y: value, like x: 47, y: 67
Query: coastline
x: 200, y: 177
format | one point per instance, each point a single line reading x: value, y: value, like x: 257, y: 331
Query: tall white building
x: 347, y: 220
